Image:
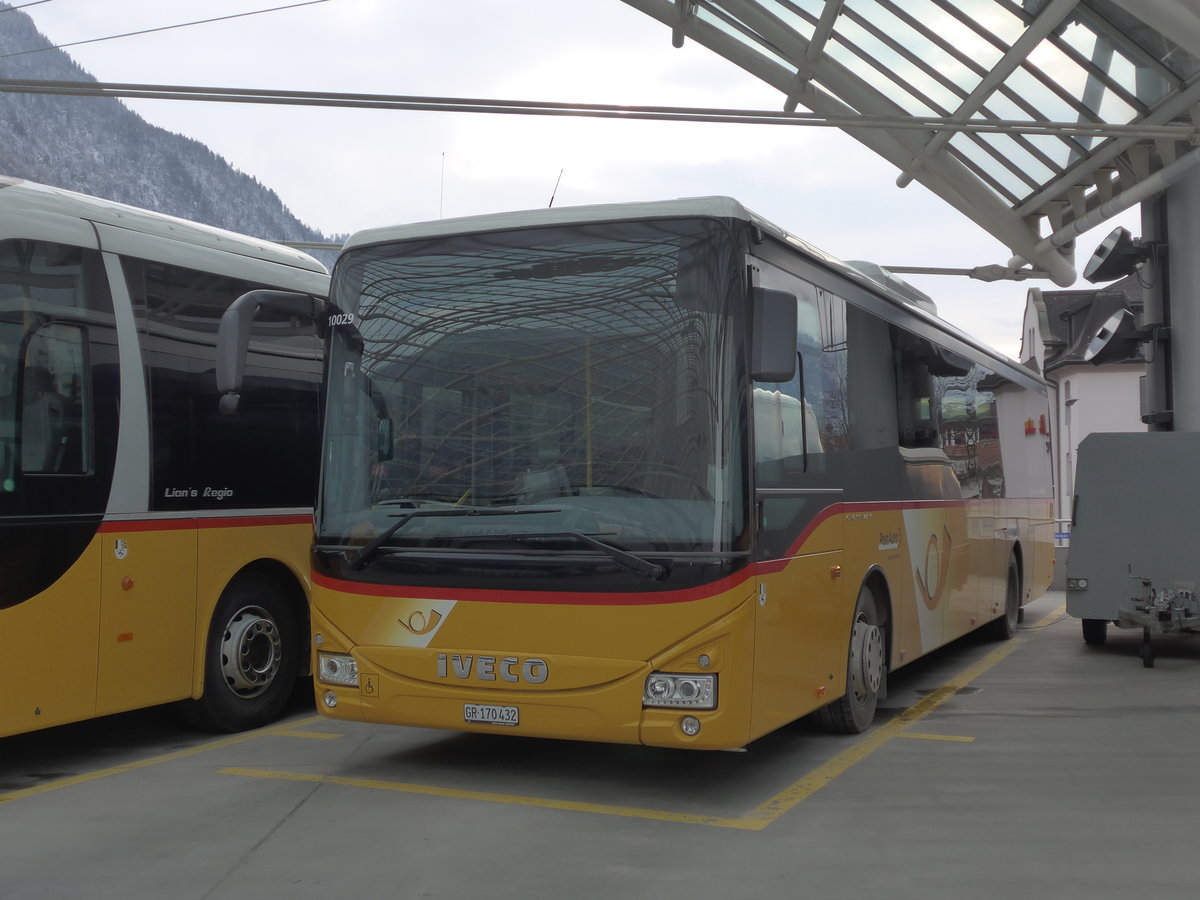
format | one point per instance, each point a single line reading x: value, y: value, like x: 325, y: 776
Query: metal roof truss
x: 1037, y: 119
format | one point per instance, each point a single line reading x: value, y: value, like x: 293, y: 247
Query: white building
x: 1085, y: 398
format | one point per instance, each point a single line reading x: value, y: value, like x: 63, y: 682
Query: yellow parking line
x: 918, y: 736
x: 488, y: 797
x: 73, y: 780
x: 310, y: 735
x: 291, y: 728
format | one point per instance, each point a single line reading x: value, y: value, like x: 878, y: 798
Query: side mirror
x: 772, y: 335
x: 233, y: 335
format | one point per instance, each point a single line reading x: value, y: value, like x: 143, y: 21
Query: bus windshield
x: 589, y: 372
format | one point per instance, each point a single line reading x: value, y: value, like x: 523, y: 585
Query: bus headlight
x: 337, y: 668
x: 672, y: 691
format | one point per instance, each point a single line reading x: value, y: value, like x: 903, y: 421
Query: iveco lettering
x: 489, y: 668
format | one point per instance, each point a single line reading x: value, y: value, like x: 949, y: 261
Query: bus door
x: 800, y: 640
x: 148, y: 614
x: 57, y: 419
x: 800, y: 438
x: 984, y: 459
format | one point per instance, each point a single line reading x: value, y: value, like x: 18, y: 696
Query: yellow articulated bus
x: 655, y: 473
x: 151, y: 549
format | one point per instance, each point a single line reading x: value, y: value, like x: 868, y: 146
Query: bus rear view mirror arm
x: 233, y: 335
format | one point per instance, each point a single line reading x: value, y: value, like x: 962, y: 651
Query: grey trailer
x: 1135, y: 547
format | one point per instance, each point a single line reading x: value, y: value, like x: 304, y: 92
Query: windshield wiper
x: 623, y: 558
x: 416, y: 498
x: 362, y: 556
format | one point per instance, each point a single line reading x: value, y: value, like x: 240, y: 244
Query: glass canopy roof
x: 1038, y: 119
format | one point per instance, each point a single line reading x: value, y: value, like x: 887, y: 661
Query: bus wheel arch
x: 1018, y: 555
x: 255, y: 647
x: 867, y: 661
x: 876, y: 581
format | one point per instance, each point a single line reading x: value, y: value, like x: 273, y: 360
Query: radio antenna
x: 554, y: 192
x: 442, y: 187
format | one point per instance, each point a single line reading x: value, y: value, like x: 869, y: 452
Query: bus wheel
x: 855, y: 710
x: 1095, y: 632
x: 252, y: 657
x: 1005, y: 627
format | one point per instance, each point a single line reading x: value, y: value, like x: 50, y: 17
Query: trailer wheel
x: 252, y: 657
x: 1147, y: 650
x: 1095, y: 632
x: 854, y: 712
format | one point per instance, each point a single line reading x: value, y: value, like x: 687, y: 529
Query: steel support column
x: 1183, y: 265
x: 1156, y: 394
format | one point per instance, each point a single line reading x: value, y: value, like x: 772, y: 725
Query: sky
x: 343, y: 170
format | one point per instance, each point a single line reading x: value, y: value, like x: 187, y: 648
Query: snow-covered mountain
x: 99, y: 146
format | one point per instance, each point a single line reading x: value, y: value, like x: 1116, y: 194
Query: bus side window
x: 52, y: 402
x: 972, y: 432
x: 201, y: 458
x: 917, y: 408
x: 779, y: 429
x: 796, y: 424
x: 8, y: 414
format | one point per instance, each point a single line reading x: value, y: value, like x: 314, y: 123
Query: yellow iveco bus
x: 151, y: 549
x: 655, y: 473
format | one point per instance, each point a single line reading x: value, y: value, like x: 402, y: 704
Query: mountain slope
x: 99, y: 146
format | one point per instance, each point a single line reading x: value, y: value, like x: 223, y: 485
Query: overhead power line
x: 113, y: 37
x: 23, y: 5
x: 1184, y: 131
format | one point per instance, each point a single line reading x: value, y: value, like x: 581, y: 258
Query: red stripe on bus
x: 195, y: 523
x: 563, y: 598
x: 778, y: 565
x: 844, y: 509
x: 567, y: 598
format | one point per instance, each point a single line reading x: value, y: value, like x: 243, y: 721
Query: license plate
x: 486, y: 714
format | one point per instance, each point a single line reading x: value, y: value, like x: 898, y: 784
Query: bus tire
x: 866, y: 668
x: 1005, y: 627
x: 252, y: 657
